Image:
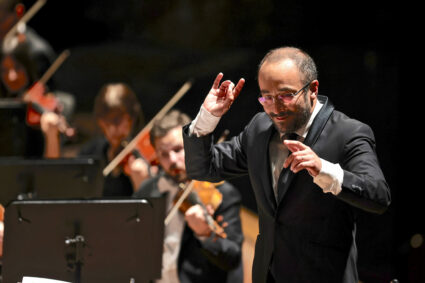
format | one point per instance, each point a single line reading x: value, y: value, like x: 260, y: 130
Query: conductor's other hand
x: 222, y: 95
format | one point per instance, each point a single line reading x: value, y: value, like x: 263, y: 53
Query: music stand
x: 13, y: 129
x: 89, y: 241
x: 63, y: 178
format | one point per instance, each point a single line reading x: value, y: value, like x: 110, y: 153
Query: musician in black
x: 193, y: 251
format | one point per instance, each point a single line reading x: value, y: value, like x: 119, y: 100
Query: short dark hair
x: 162, y: 126
x: 118, y: 98
x: 304, y: 62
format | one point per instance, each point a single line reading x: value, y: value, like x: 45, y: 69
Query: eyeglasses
x: 268, y: 100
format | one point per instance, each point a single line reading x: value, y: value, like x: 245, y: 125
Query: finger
x: 217, y: 80
x: 230, y: 96
x: 238, y: 88
x: 297, y: 160
x: 302, y: 165
x: 294, y: 145
x: 210, y: 209
x: 288, y: 161
x: 131, y: 159
x: 223, y: 90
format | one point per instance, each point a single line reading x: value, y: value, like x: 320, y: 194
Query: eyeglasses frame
x: 274, y: 97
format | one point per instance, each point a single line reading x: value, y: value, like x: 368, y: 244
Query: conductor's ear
x: 314, y: 89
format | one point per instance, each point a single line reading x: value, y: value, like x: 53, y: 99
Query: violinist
x: 192, y: 252
x: 17, y: 74
x: 25, y: 56
x: 119, y: 115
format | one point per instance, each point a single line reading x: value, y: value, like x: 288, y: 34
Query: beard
x: 177, y: 174
x: 294, y: 120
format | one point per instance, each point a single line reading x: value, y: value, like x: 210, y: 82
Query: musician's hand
x: 221, y: 96
x: 137, y: 170
x: 302, y: 157
x: 49, y: 123
x: 196, y: 220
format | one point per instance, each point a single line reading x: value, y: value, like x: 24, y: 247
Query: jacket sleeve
x: 214, y: 162
x: 364, y: 184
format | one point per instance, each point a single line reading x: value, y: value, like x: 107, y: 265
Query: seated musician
x: 192, y: 251
x: 25, y: 57
x: 119, y: 115
x: 17, y: 77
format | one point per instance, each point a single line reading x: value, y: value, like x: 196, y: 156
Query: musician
x: 38, y: 49
x: 192, y: 252
x: 24, y: 58
x: 119, y: 115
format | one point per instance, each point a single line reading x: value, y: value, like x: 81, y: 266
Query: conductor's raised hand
x: 222, y: 95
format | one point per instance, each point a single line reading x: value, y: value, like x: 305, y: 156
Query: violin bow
x: 132, y: 144
x: 173, y: 211
x: 52, y: 69
x: 25, y: 18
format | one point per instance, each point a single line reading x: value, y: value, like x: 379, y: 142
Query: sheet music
x: 27, y: 279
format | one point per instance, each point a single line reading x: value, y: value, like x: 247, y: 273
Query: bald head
x: 302, y: 60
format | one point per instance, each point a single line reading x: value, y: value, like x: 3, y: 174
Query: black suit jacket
x: 307, y: 235
x: 210, y: 261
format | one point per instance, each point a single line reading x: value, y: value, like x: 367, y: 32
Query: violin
x: 141, y: 142
x: 201, y: 193
x: 40, y: 102
x: 142, y: 149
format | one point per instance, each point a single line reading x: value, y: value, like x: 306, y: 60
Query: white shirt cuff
x: 330, y: 177
x: 204, y: 123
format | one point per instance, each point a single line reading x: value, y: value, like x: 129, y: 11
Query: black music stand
x: 63, y: 178
x: 91, y: 241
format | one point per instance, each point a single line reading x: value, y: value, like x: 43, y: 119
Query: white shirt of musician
x: 172, y: 235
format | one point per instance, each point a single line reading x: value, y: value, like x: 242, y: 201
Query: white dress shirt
x: 172, y: 235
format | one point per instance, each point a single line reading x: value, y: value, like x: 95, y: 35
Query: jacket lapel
x: 263, y: 141
x: 316, y: 129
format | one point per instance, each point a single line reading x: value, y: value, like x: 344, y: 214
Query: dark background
x: 366, y: 55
